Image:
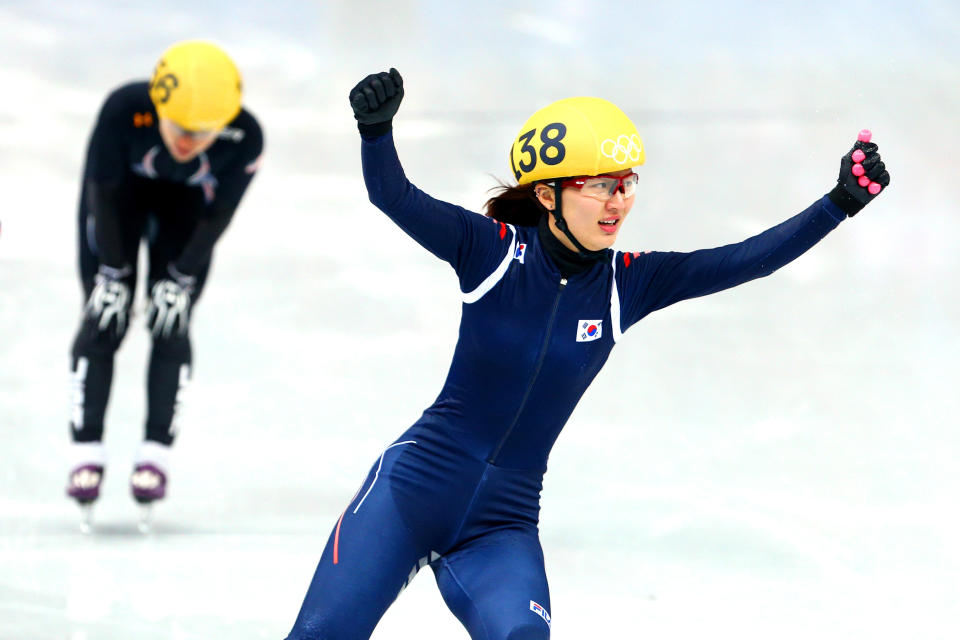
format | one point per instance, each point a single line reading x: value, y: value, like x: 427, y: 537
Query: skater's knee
x: 92, y: 341
x: 529, y: 632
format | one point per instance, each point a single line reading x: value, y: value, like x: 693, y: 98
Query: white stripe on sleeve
x: 491, y: 280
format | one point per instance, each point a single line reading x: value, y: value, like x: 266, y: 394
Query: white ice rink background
x: 779, y: 460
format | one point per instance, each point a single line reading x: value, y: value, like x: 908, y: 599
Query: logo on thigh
x: 540, y: 611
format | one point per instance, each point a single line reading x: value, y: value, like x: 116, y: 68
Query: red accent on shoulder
x: 626, y: 260
x: 503, y: 231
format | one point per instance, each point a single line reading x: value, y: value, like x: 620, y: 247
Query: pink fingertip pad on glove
x: 857, y: 170
x: 864, y: 135
x: 863, y: 181
x: 858, y: 156
x: 874, y: 188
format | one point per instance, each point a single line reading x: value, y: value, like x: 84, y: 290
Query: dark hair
x: 516, y: 205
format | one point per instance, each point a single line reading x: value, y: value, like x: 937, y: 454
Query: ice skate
x: 83, y: 485
x: 147, y: 484
x: 87, y: 461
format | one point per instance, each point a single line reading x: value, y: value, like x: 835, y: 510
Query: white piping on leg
x: 380, y: 466
x: 78, y: 392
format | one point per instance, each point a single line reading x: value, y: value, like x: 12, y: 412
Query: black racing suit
x: 133, y: 190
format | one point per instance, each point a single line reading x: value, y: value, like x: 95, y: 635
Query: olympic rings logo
x: 623, y: 148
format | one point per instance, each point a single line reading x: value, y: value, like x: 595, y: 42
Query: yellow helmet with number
x: 196, y: 85
x: 575, y: 137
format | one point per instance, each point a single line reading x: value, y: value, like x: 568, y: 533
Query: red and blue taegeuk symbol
x: 592, y: 330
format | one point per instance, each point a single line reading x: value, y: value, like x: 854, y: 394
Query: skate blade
x: 86, y: 519
x: 145, y: 521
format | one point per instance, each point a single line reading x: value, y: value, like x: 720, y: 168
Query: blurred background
x: 776, y: 460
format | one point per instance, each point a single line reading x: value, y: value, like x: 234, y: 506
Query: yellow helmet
x: 575, y: 137
x: 196, y: 85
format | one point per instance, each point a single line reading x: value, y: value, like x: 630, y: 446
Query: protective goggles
x: 200, y: 135
x: 603, y: 187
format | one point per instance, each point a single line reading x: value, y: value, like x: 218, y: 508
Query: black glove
x: 109, y: 301
x: 375, y: 101
x: 853, y: 191
x: 168, y: 311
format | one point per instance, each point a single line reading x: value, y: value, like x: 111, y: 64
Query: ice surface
x: 774, y: 461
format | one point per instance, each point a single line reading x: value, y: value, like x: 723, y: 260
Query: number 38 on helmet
x: 575, y: 137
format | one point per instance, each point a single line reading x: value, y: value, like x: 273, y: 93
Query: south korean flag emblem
x: 589, y: 330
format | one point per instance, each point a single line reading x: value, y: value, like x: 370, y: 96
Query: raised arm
x: 473, y: 244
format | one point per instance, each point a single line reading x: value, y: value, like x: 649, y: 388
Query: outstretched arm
x: 654, y: 280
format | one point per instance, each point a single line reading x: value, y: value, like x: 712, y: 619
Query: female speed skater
x: 168, y: 162
x: 545, y: 299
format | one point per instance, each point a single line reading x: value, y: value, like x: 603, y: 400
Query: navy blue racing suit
x: 459, y: 490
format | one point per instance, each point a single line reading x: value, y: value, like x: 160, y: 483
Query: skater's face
x: 185, y: 145
x: 593, y: 220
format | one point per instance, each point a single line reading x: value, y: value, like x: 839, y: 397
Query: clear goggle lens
x: 200, y: 135
x: 604, y: 187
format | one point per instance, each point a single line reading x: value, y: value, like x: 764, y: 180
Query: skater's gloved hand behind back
x: 375, y: 100
x: 863, y: 176
x: 168, y: 311
x: 109, y: 302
